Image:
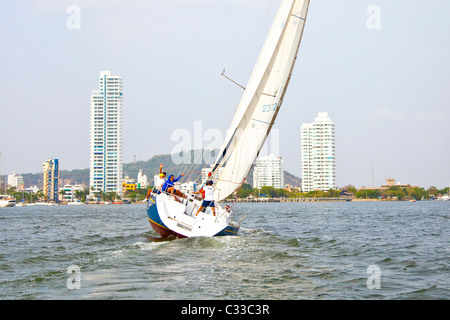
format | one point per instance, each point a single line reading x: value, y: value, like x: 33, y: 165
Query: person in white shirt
x: 208, y: 200
x: 159, y: 182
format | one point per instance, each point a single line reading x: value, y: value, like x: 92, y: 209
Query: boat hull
x: 156, y: 220
x: 7, y: 204
x: 158, y: 225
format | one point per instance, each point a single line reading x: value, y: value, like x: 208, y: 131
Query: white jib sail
x: 262, y: 98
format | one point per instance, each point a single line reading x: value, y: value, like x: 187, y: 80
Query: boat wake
x: 247, y: 232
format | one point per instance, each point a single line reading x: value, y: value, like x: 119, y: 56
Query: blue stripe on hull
x: 228, y: 231
x: 153, y: 215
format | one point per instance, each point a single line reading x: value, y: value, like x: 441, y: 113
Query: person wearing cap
x: 161, y: 179
x: 159, y: 182
x: 208, y: 200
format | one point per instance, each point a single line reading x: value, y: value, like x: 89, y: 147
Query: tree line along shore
x: 270, y: 194
x: 151, y: 166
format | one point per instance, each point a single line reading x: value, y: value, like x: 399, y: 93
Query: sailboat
x: 255, y: 115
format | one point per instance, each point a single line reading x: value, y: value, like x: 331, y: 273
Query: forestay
x: 262, y: 98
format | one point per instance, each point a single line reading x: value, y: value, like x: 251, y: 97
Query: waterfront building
x: 391, y: 183
x: 51, y: 179
x: 142, y: 179
x: 269, y: 172
x: 106, y: 164
x: 187, y: 187
x: 15, y: 180
x: 68, y: 192
x: 129, y: 186
x: 318, y: 154
x: 207, y: 170
x: 33, y: 189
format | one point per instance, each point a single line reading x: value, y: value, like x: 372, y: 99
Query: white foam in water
x: 147, y: 245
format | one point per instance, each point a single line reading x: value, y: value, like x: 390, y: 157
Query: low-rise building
x: 15, y: 180
x: 68, y: 192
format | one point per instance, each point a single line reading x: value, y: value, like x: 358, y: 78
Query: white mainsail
x: 262, y: 98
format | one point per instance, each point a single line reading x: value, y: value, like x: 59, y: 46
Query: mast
x: 262, y: 98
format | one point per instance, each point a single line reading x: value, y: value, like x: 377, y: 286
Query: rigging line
x: 239, y: 85
x: 270, y: 95
x: 215, y: 99
x: 198, y: 161
x: 224, y: 152
x: 196, y: 154
x: 199, y: 154
x: 298, y: 17
x: 212, y: 119
x: 250, y: 43
x: 183, y: 165
x: 223, y: 75
x: 240, y: 64
x: 237, y: 191
x: 198, y: 158
x: 231, y: 181
x: 265, y: 122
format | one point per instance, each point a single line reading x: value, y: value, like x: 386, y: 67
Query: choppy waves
x: 284, y: 251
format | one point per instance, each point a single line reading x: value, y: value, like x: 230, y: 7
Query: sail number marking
x: 269, y: 107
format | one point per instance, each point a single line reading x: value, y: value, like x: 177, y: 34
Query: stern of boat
x: 176, y: 217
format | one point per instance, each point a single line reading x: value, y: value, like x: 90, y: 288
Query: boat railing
x: 186, y: 200
x: 236, y: 218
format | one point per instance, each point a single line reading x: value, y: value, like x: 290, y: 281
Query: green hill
x: 149, y: 168
x: 192, y: 169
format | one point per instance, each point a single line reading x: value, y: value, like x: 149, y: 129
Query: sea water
x: 321, y: 250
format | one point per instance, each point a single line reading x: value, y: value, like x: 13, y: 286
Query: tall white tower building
x: 106, y: 135
x: 268, y: 172
x: 318, y: 154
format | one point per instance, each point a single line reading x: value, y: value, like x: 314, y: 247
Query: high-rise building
x: 318, y: 154
x: 268, y: 172
x: 106, y: 135
x: 51, y: 179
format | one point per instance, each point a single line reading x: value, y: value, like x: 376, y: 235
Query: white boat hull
x: 7, y: 203
x: 171, y: 218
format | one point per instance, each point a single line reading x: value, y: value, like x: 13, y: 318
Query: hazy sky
x: 380, y: 68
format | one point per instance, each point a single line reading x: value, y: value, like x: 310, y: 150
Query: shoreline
x: 277, y: 200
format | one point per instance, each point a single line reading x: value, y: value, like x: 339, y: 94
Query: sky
x: 381, y: 69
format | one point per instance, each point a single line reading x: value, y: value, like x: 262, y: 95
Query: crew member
x: 208, y: 200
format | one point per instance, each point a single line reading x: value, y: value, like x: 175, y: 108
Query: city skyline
x: 384, y: 78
